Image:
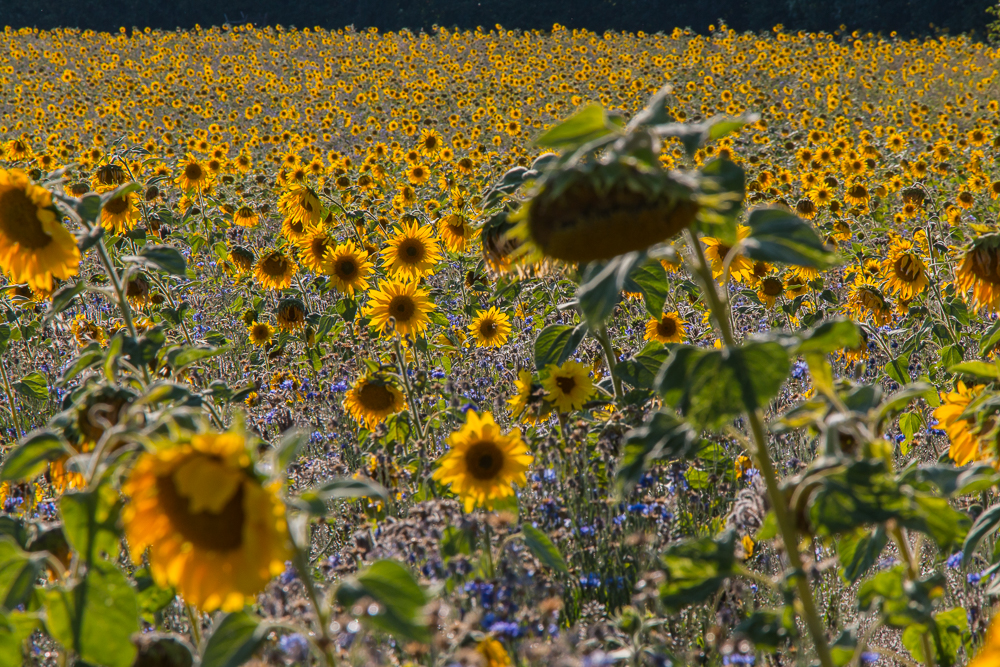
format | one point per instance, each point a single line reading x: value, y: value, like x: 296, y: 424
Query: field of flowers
x: 498, y: 348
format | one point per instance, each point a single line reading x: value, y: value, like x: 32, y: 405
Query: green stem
x: 401, y: 363
x: 305, y: 574
x: 116, y: 283
x: 10, y: 400
x: 913, y: 573
x: 195, y: 620
x: 609, y: 356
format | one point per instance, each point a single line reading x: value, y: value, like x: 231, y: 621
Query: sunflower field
x: 498, y: 348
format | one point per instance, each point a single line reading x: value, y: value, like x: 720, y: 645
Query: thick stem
x: 194, y: 618
x: 116, y: 283
x: 305, y: 574
x: 401, y: 361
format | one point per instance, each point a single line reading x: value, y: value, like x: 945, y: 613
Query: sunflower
x: 372, y: 399
x: 857, y: 194
x: 867, y: 302
x: 121, y: 213
x: 412, y: 252
x: 741, y: 266
x: 431, y: 143
x: 491, y: 328
x: 348, y: 268
x: 138, y: 291
x: 769, y: 289
x: 260, y: 333
x: 493, y: 653
x: 962, y: 432
x: 667, y: 329
x: 989, y: 653
x: 241, y: 258
x: 568, y: 386
x: 274, y: 270
x: 403, y: 302
x: 86, y: 332
x: 903, y: 269
x: 979, y: 272
x: 301, y: 208
x: 455, y: 231
x: 483, y: 463
x: 313, y: 249
x: 528, y: 404
x: 213, y: 530
x: 34, y: 245
x: 291, y: 314
x: 193, y: 176
x: 245, y: 216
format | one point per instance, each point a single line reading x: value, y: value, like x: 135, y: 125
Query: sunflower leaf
x: 346, y: 488
x: 586, y: 125
x: 664, y: 436
x: 398, y: 601
x: 31, y: 456
x: 34, y: 385
x: 602, y: 284
x: 162, y: 257
x: 556, y: 343
x: 543, y: 548
x: 234, y: 641
x: 650, y: 279
x: 15, y: 629
x: 779, y: 236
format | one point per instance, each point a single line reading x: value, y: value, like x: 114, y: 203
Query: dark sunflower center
x: 401, y: 307
x: 19, y: 219
x: 772, y: 287
x: 870, y: 300
x: 488, y: 328
x: 116, y: 206
x: 666, y: 327
x: 347, y: 269
x: 260, y: 332
x: 214, y: 532
x: 723, y: 250
x: 193, y: 172
x: 906, y: 269
x: 245, y: 213
x: 291, y: 314
x: 374, y: 396
x: 413, y: 251
x: 274, y: 265
x: 566, y: 384
x: 985, y: 262
x: 484, y: 460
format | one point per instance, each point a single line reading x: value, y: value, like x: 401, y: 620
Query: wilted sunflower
x: 404, y: 302
x: 483, y: 463
x: 412, y: 252
x: 867, y: 302
x: 348, y: 268
x: 100, y: 409
x: 668, y: 329
x: 34, y: 246
x: 528, y: 404
x: 568, y: 386
x: 86, y: 332
x: 193, y: 176
x: 241, y: 258
x: 260, y: 333
x: 490, y: 328
x: 291, y: 314
x: 121, y: 213
x: 962, y: 432
x: 979, y: 272
x: 213, y: 530
x: 903, y: 269
x: 313, y: 248
x: 274, y: 270
x: 138, y: 291
x: 741, y: 266
x: 245, y: 216
x: 372, y: 399
x: 455, y: 231
x: 769, y: 289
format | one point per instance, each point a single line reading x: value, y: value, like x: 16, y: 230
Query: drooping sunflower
x: 121, y: 213
x: 740, y: 268
x: 568, y: 386
x: 483, y: 463
x: 193, y: 176
x: 313, y: 248
x: 491, y: 327
x: 867, y: 303
x: 962, y: 432
x: 213, y: 530
x: 274, y: 270
x: 241, y: 258
x: 260, y: 333
x: 404, y: 302
x: 979, y: 272
x: 455, y: 231
x: 138, y: 291
x: 301, y: 208
x: 86, y: 332
x: 290, y: 314
x: 903, y: 269
x: 668, y: 329
x: 34, y: 245
x: 412, y: 252
x: 372, y: 399
x: 245, y: 216
x: 348, y: 268
x: 528, y: 404
x: 769, y: 289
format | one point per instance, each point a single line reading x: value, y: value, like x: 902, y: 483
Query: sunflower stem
x: 10, y: 400
x: 913, y: 573
x: 305, y: 574
x: 116, y: 283
x: 609, y: 357
x: 789, y: 534
x: 195, y: 620
x: 935, y: 289
x: 401, y: 363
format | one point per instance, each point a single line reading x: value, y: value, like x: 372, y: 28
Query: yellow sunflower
x: 903, y: 269
x: 989, y: 654
x: 568, y: 386
x: 372, y: 399
x: 965, y: 444
x: 412, y: 252
x: 120, y: 214
x: 245, y: 216
x: 493, y: 653
x: 213, y: 530
x: 260, y: 333
x: 138, y: 291
x: 193, y: 176
x: 301, y: 208
x: 491, y: 328
x: 348, y: 268
x: 769, y: 289
x: 242, y: 259
x: 528, y: 404
x: 483, y: 463
x: 979, y: 272
x: 86, y: 332
x: 34, y: 245
x: 291, y: 314
x: 668, y: 329
x: 404, y: 302
x: 741, y: 267
x: 867, y: 302
x: 313, y: 248
x: 455, y: 231
x: 274, y: 270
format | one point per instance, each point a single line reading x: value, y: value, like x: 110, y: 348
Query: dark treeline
x: 906, y: 17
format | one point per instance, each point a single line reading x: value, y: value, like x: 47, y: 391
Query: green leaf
x: 976, y: 368
x: 586, y: 125
x: 234, y: 641
x: 15, y: 629
x: 951, y: 355
x: 556, y: 342
x: 19, y: 571
x: 314, y: 501
x: 399, y: 600
x: 769, y: 629
x: 31, y: 456
x: 986, y: 523
x: 640, y: 371
x: 34, y: 385
x: 696, y: 568
x: 543, y: 548
x: 650, y: 279
x: 947, y: 635
x: 455, y: 541
x: 909, y: 424
x: 289, y: 447
x: 91, y: 522
x: 601, y: 287
x: 96, y: 617
x: 779, y: 236
x: 901, y: 602
x: 162, y: 257
x: 990, y: 339
x: 90, y: 357
x: 664, y: 436
x: 859, y: 551
x: 897, y: 369
x: 64, y: 296
x: 183, y: 356
x: 152, y: 599
x: 830, y: 336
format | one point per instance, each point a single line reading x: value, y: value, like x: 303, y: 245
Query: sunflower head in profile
x: 193, y: 174
x: 963, y: 431
x: 274, y: 270
x: 241, y: 258
x: 86, y: 332
x: 769, y: 289
x: 867, y: 302
x: 979, y: 272
x: 245, y: 216
x: 372, y: 399
x: 455, y: 231
x: 214, y: 531
x: 483, y: 463
x: 568, y: 386
x: 34, y: 245
x: 903, y: 269
x: 138, y: 291
x: 348, y: 268
x: 669, y: 328
x: 490, y: 328
x: 313, y: 248
x: 99, y: 410
x: 528, y: 404
x: 402, y: 303
x: 291, y: 314
x: 260, y: 333
x: 110, y: 174
x: 412, y: 252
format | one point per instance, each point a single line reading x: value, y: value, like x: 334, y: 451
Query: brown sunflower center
x: 274, y: 265
x: 488, y: 328
x: 116, y: 206
x: 985, y: 263
x: 666, y: 327
x: 346, y: 269
x: 319, y: 248
x: 19, y: 219
x: 906, y: 268
x: 411, y: 251
x: 291, y: 314
x: 206, y: 530
x: 375, y: 396
x: 193, y: 172
x: 484, y: 460
x: 771, y: 287
x: 723, y: 250
x: 402, y: 307
x: 260, y: 332
x: 566, y: 384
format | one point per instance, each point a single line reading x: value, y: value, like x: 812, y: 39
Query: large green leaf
x: 651, y: 280
x: 602, y: 284
x: 556, y: 342
x: 314, y: 500
x: 641, y: 369
x: 234, y: 640
x: 587, y: 124
x: 899, y: 601
x: 947, y: 634
x: 34, y: 385
x: 399, y: 600
x: 15, y: 629
x: 543, y: 548
x: 19, y: 571
x: 777, y: 235
x: 162, y: 257
x: 859, y: 551
x: 696, y: 568
x: 32, y: 454
x: 986, y: 523
x: 91, y: 522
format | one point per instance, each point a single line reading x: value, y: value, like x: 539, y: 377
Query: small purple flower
x: 295, y: 647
